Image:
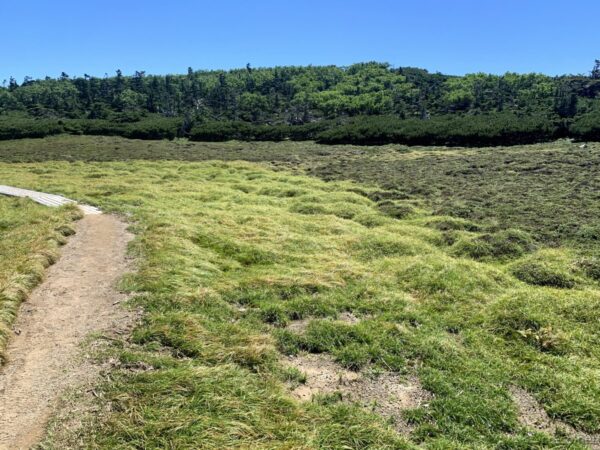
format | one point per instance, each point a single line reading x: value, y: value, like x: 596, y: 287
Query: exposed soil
x: 532, y: 415
x: 386, y: 394
x: 349, y: 318
x: 323, y: 375
x: 300, y: 326
x: 77, y: 298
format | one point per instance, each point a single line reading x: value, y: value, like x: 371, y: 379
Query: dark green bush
x: 25, y: 127
x: 586, y: 127
x: 149, y: 128
x: 452, y: 130
x: 589, y: 233
x: 244, y: 131
x: 221, y: 131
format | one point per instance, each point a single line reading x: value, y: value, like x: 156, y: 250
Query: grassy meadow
x: 30, y: 235
x: 232, y: 254
x: 550, y: 190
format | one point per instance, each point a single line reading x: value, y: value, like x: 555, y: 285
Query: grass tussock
x: 551, y: 268
x: 30, y: 235
x: 231, y: 254
x: 504, y: 244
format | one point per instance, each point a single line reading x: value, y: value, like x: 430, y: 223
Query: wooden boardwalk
x: 46, y: 199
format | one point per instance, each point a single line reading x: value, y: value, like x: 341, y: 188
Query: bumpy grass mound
x: 546, y: 268
x: 590, y: 267
x: 446, y: 223
x: 395, y: 209
x: 504, y: 244
x: 232, y: 254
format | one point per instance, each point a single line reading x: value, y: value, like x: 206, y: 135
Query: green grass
x: 550, y: 191
x: 30, y: 235
x: 230, y: 252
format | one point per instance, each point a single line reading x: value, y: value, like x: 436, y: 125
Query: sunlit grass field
x: 551, y: 190
x: 230, y: 253
x: 30, y: 235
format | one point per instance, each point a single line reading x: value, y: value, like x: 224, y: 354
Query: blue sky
x: 452, y: 36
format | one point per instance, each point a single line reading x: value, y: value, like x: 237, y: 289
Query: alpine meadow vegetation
x: 232, y: 254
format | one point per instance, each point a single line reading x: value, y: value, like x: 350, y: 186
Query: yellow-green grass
x: 229, y: 253
x: 549, y: 190
x: 30, y: 235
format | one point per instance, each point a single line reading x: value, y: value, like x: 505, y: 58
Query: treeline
x: 296, y: 95
x: 362, y: 103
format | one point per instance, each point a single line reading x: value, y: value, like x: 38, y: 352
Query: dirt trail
x: 78, y: 297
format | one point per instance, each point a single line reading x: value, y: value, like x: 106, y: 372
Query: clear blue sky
x: 452, y: 36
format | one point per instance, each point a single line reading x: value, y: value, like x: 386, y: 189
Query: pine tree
x: 565, y: 102
x: 12, y: 84
x: 596, y: 70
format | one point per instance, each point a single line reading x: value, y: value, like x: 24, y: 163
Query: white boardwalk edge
x: 46, y: 199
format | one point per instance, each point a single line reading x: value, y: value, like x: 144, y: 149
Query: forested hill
x: 328, y: 103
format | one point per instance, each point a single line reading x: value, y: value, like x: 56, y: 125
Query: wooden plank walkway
x: 46, y: 199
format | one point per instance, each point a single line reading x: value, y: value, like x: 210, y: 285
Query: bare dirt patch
x: 532, y: 415
x: 323, y: 376
x: 386, y: 394
x: 300, y: 326
x: 348, y: 317
x: 390, y: 395
x: 77, y: 298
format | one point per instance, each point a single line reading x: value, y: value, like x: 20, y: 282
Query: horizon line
x: 245, y: 66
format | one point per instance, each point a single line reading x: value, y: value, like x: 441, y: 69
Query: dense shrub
x: 150, y: 128
x: 452, y: 130
x: 220, y: 131
x: 24, y: 127
x: 588, y: 233
x: 586, y: 127
x: 244, y: 131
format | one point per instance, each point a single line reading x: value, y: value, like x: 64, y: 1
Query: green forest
x: 367, y: 103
